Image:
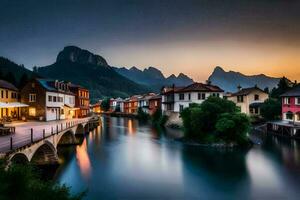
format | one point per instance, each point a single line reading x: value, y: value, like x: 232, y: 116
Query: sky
x: 189, y: 36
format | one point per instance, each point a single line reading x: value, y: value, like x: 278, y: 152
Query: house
x: 291, y: 105
x: 154, y: 104
x: 119, y: 105
x: 131, y: 104
x: 10, y: 107
x: 112, y: 104
x: 96, y: 108
x: 48, y: 100
x: 82, y: 100
x: 176, y: 99
x: 144, y: 102
x: 249, y: 99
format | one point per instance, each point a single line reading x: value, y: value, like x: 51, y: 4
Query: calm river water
x: 125, y: 159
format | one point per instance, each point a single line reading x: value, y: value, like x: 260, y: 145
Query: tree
x: 158, y: 119
x: 23, y: 80
x: 199, y: 121
x: 22, y: 182
x: 284, y: 85
x: 266, y: 90
x: 105, y: 104
x: 233, y: 127
x: 141, y: 115
x: 10, y: 78
x: 271, y: 109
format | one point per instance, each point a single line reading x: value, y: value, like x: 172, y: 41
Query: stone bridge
x: 43, y: 150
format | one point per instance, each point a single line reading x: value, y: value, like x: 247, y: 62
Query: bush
x: 105, y: 104
x: 271, y: 109
x: 21, y: 182
x: 200, y: 121
x: 158, y: 119
x: 141, y: 115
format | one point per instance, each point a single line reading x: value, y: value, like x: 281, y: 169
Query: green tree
x: 23, y: 80
x: 283, y: 86
x: 141, y: 115
x: 22, y: 182
x: 10, y: 78
x: 233, y: 127
x: 271, y: 109
x: 105, y: 104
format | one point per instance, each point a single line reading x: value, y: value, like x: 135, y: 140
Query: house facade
x: 48, y: 100
x: 82, y: 100
x: 144, y: 102
x: 291, y: 105
x: 176, y: 99
x: 154, y: 104
x: 131, y: 104
x: 249, y: 99
x: 10, y: 106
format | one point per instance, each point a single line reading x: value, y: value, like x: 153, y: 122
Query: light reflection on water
x: 127, y: 159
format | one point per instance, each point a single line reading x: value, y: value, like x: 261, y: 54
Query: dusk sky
x: 192, y: 37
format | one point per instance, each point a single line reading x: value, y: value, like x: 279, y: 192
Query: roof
x: 7, y: 85
x: 167, y: 90
x: 72, y: 85
x: 46, y: 84
x: 246, y: 91
x: 155, y: 97
x: 294, y: 92
x: 201, y: 87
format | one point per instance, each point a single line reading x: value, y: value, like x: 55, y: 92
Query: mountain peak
x: 76, y: 54
x: 154, y: 72
x: 218, y: 69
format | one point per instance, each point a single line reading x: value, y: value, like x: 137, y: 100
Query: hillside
x: 13, y: 72
x: 230, y: 80
x: 91, y: 71
x: 153, y: 77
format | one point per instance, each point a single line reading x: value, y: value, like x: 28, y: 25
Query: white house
x: 175, y: 99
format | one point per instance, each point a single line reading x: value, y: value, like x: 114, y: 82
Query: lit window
x: 32, y: 112
x: 287, y: 100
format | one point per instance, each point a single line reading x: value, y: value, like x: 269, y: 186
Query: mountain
x: 229, y: 81
x: 13, y: 72
x: 91, y: 71
x: 153, y: 77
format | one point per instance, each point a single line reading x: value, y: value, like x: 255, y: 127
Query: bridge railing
x: 28, y: 135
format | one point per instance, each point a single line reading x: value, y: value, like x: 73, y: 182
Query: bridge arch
x: 79, y: 130
x: 44, y: 154
x: 66, y: 138
x: 19, y: 158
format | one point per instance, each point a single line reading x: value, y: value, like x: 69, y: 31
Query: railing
x: 35, y: 134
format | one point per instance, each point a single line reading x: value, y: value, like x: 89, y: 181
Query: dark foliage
x: 271, y: 109
x: 105, y: 105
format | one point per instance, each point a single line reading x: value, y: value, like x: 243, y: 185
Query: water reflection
x: 127, y: 159
x: 83, y: 159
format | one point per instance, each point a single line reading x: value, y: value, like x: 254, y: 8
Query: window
x: 181, y: 96
x: 289, y: 116
x: 181, y: 108
x: 256, y: 111
x: 33, y: 85
x: 32, y: 112
x: 287, y: 100
x: 201, y: 96
x: 54, y: 99
x: 50, y: 98
x: 240, y: 99
x: 189, y: 96
x: 6, y: 94
x: 32, y: 97
x: 2, y: 94
x: 298, y: 100
x: 62, y: 111
x: 256, y: 97
x: 155, y: 103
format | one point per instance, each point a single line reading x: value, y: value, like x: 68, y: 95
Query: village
x: 47, y: 100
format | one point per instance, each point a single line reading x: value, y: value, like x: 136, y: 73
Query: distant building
x: 154, y: 104
x: 82, y: 100
x: 48, y: 100
x: 10, y: 107
x: 175, y: 99
x: 249, y: 99
x: 291, y: 105
x: 144, y: 102
x: 131, y: 104
x: 96, y: 108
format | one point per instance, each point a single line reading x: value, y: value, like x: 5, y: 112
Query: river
x: 126, y: 159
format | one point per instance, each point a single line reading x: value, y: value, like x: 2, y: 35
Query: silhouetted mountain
x: 229, y: 81
x: 13, y: 72
x: 153, y: 77
x: 91, y: 71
